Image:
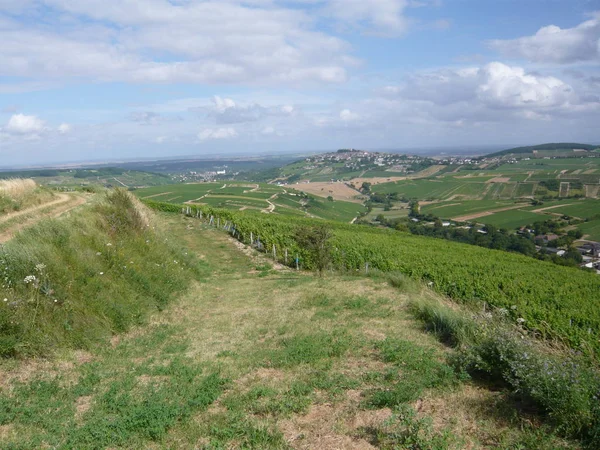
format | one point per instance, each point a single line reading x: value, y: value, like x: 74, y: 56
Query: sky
x: 92, y: 80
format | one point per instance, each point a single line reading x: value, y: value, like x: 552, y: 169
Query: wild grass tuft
x: 415, y: 369
x: 19, y: 193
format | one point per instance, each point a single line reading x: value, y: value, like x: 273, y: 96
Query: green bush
x: 563, y: 387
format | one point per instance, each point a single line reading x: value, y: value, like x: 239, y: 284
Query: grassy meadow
x: 253, y: 355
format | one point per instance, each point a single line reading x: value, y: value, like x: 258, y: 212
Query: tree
x: 316, y: 241
x: 330, y: 198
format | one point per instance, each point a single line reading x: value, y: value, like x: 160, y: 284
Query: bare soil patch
x: 485, y: 213
x: 338, y: 190
x: 499, y: 180
x: 551, y: 207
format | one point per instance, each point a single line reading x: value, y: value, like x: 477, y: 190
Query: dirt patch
x: 263, y: 375
x: 370, y: 419
x: 357, y: 182
x: 83, y: 357
x: 499, y: 180
x: 462, y: 411
x: 551, y: 207
x: 485, y: 213
x: 431, y: 170
x: 338, y: 190
x: 158, y: 195
x: 256, y: 256
x: 82, y: 405
x: 7, y: 431
x: 317, y: 429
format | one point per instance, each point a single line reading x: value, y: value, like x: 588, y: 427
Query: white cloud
x: 218, y: 133
x: 511, y: 87
x: 64, y: 128
x: 268, y: 131
x: 379, y: 17
x: 348, y: 116
x: 205, y: 42
x: 552, y: 44
x: 23, y: 124
x: 493, y: 86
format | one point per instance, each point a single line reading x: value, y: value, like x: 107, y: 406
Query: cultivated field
x: 338, y: 190
x: 267, y: 198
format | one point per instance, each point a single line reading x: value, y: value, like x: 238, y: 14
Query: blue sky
x: 84, y: 80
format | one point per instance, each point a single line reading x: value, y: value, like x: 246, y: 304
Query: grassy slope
x: 28, y: 197
x: 291, y: 360
x: 74, y: 281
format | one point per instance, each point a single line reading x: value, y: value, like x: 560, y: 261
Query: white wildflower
x: 30, y: 279
x: 520, y: 320
x: 98, y: 253
x: 109, y: 245
x: 40, y: 267
x: 5, y: 299
x: 101, y: 273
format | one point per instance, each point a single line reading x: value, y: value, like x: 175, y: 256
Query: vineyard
x: 557, y: 303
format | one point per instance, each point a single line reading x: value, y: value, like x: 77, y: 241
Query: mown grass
x: 246, y: 360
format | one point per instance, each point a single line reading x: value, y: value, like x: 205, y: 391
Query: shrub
x: 564, y: 387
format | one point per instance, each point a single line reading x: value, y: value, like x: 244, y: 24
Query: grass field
x: 512, y: 219
x: 253, y: 356
x: 591, y: 229
x: 448, y: 210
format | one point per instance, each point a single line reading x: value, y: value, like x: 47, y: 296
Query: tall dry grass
x: 17, y: 188
x: 20, y: 193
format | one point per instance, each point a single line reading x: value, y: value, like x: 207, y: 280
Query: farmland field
x: 254, y: 196
x: 512, y: 219
x: 591, y: 229
x: 452, y: 209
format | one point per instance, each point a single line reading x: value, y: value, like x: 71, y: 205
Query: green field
x: 591, y: 230
x: 512, y: 219
x: 261, y: 197
x: 448, y: 210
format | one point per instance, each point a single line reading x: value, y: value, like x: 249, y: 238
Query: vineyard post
x: 286, y: 256
x: 201, y: 214
x: 297, y: 263
x: 366, y: 267
x: 251, y: 239
x: 274, y: 253
x: 218, y: 222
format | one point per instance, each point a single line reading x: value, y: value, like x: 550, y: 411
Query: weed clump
x: 565, y: 388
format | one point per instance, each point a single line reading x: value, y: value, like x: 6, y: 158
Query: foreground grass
x: 253, y: 357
